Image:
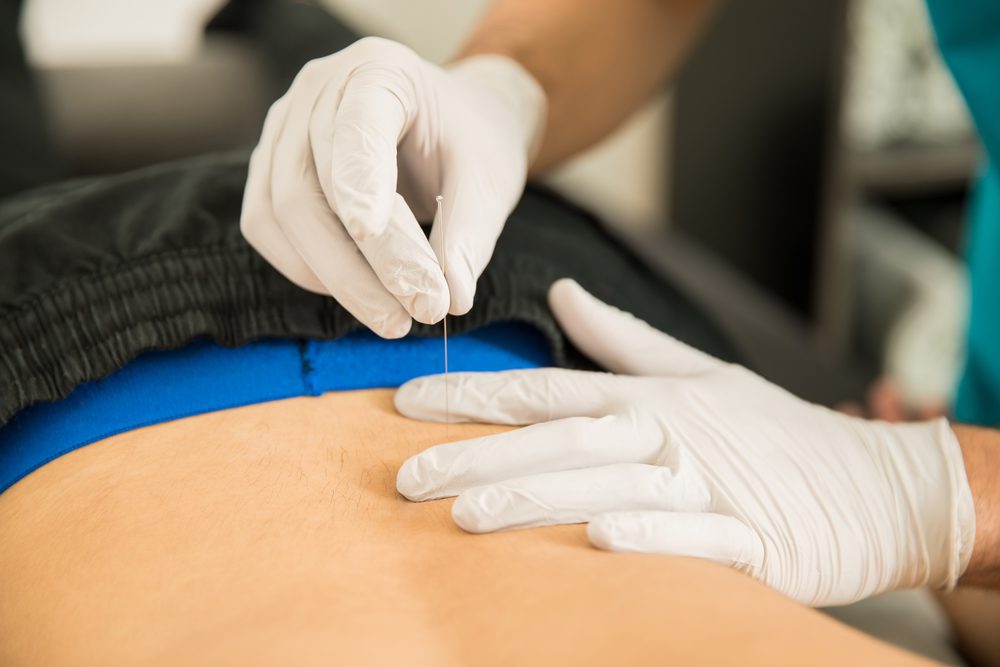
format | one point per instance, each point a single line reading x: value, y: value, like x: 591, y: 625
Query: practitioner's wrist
x: 981, y: 454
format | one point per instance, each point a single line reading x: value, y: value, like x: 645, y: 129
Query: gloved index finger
x: 512, y: 397
x: 353, y: 137
x: 405, y: 264
x: 316, y: 233
x: 567, y: 444
x: 354, y: 134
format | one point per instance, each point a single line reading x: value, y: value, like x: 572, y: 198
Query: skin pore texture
x: 273, y: 534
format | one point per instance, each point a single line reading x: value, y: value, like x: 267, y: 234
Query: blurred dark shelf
x: 941, y: 216
x: 914, y: 169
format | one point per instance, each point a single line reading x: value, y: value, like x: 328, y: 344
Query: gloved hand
x: 690, y: 456
x: 364, y: 124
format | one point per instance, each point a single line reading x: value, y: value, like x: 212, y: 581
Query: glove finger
x: 472, y: 217
x: 577, y: 496
x: 320, y: 239
x: 354, y: 145
x: 511, y: 397
x: 715, y: 537
x: 573, y: 443
x: 619, y: 341
x: 358, y: 171
x: 257, y: 221
x: 407, y: 267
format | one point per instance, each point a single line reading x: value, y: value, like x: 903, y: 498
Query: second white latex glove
x: 357, y: 151
x: 691, y: 456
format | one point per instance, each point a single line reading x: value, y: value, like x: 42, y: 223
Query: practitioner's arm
x: 975, y: 614
x: 598, y: 61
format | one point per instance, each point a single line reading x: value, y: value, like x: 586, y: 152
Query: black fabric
x: 94, y: 272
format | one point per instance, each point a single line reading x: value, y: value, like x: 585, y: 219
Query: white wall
x: 67, y: 33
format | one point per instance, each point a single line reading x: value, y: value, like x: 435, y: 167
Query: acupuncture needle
x: 439, y: 220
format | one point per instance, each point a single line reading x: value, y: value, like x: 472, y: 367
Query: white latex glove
x: 364, y: 124
x: 690, y: 456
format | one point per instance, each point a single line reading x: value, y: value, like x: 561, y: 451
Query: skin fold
x: 273, y: 534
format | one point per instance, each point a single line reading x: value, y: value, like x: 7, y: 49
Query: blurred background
x: 804, y: 179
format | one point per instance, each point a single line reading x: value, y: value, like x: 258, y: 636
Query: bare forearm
x: 981, y: 451
x: 598, y: 61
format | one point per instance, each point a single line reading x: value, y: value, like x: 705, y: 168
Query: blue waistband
x: 206, y: 377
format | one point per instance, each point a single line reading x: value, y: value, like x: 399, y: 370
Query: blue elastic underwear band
x: 205, y: 377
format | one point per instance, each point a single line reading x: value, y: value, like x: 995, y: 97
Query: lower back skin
x: 273, y: 534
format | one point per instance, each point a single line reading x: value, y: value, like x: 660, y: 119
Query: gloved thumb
x: 715, y: 537
x: 618, y: 341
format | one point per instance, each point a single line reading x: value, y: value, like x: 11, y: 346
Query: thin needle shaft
x: 439, y: 220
